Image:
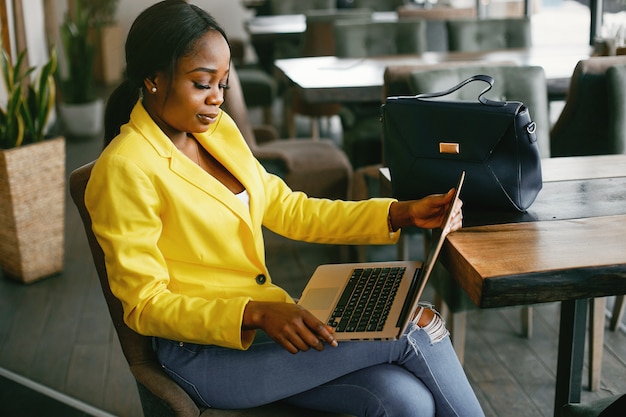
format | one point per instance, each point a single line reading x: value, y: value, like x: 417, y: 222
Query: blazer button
x: 260, y: 279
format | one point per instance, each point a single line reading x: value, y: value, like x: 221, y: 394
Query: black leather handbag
x: 428, y: 142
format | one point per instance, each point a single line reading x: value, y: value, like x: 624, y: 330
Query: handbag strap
x: 480, y: 77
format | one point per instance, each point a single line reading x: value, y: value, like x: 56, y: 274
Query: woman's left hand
x: 426, y: 213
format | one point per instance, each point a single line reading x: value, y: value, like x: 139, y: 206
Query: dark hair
x: 158, y: 38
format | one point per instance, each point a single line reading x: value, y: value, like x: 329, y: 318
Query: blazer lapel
x: 188, y: 170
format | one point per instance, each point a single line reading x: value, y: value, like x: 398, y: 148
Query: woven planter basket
x: 32, y: 210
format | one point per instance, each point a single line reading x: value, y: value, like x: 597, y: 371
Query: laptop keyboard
x: 366, y: 301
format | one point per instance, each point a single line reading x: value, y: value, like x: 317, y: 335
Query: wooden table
x: 329, y: 79
x: 570, y: 246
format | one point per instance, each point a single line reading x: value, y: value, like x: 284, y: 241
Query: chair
x: 526, y: 84
x: 378, y: 5
x: 362, y: 131
x: 317, y: 167
x: 593, y: 120
x: 512, y: 82
x: 612, y: 406
x: 520, y: 83
x: 472, y: 35
x: 299, y: 6
x: 318, y: 40
x: 259, y: 88
x: 436, y: 17
x: 363, y: 38
x: 160, y: 396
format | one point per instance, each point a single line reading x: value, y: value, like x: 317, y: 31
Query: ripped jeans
x: 416, y: 375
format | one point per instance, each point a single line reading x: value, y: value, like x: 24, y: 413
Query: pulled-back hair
x: 158, y: 38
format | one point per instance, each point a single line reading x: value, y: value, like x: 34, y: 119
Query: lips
x: 207, y: 118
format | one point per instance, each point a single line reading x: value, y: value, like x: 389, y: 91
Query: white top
x: 244, y: 197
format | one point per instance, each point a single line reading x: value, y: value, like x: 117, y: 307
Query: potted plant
x: 80, y: 107
x: 32, y: 173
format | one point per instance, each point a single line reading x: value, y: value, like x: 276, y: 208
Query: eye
x: 224, y: 86
x: 201, y: 86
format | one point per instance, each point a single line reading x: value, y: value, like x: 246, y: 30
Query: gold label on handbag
x: 446, y: 147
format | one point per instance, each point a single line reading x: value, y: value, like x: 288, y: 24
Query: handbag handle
x: 480, y: 77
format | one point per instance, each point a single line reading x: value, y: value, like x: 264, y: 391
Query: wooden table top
x: 533, y: 262
x: 571, y: 244
x: 333, y: 79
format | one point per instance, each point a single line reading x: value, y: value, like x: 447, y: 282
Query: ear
x: 150, y: 84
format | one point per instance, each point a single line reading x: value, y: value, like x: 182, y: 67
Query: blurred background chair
x: 363, y: 38
x: 593, y: 120
x: 378, y: 5
x: 471, y: 35
x: 160, y: 396
x: 528, y: 85
x: 259, y: 88
x: 515, y: 83
x: 436, y: 17
x: 361, y: 128
x: 611, y: 406
x: 318, y: 40
x: 317, y: 167
x: 299, y: 6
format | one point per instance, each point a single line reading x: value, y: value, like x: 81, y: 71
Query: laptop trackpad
x: 319, y: 298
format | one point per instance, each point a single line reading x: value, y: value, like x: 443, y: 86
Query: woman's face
x: 190, y: 103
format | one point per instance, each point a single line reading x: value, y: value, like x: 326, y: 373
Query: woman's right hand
x: 290, y: 325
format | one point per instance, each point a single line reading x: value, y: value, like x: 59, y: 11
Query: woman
x: 178, y: 203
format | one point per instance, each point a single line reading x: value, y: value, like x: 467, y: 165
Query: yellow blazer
x: 183, y: 253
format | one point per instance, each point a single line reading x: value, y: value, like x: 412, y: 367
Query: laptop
x: 339, y: 294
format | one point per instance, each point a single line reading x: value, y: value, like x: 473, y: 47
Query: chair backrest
x: 616, y: 81
x: 471, y: 35
x: 514, y: 83
x: 299, y: 6
x: 319, y: 39
x: 397, y: 78
x: 359, y: 39
x: 159, y: 393
x: 436, y: 17
x: 235, y: 105
x: 593, y: 119
x: 379, y: 5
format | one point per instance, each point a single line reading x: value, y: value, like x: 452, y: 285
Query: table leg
x: 571, y: 353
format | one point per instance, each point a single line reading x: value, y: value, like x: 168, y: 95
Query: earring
x: 153, y: 90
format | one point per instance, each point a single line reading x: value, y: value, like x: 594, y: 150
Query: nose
x: 215, y: 96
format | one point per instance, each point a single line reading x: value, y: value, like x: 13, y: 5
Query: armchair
x: 317, y: 167
x: 318, y: 40
x: 160, y: 396
x: 526, y: 84
x: 612, y: 406
x: 298, y: 6
x: 520, y: 83
x: 378, y: 5
x: 362, y: 131
x: 593, y: 120
x: 470, y: 35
